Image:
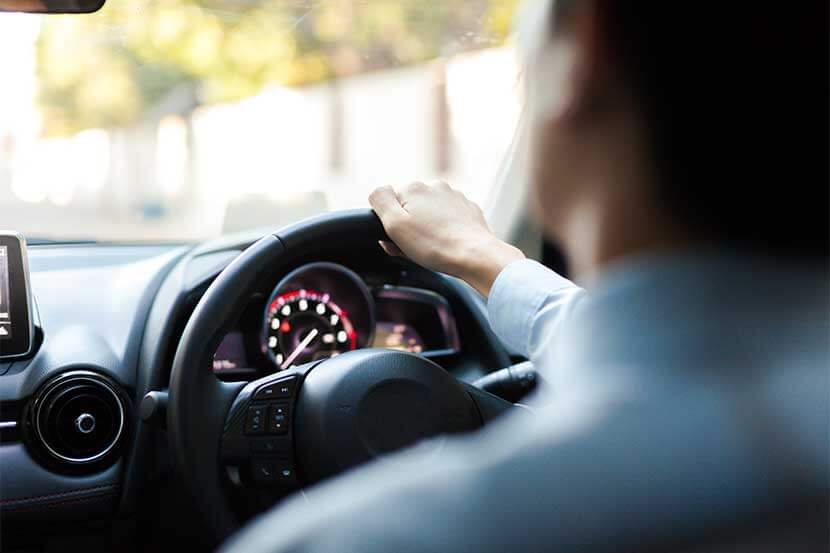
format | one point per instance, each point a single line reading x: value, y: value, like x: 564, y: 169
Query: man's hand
x: 439, y: 228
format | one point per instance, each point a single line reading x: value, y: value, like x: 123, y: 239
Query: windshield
x: 179, y: 120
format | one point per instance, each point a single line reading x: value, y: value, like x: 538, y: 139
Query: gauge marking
x: 304, y: 325
x: 309, y: 298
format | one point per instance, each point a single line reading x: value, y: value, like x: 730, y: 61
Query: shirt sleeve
x: 528, y: 304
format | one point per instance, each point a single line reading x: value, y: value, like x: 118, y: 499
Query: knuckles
x: 415, y: 187
x: 379, y: 192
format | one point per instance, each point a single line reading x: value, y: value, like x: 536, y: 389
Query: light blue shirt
x: 689, y: 394
x: 528, y: 307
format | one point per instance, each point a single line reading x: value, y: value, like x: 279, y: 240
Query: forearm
x: 484, y: 261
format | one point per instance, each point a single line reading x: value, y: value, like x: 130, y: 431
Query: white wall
x: 271, y: 155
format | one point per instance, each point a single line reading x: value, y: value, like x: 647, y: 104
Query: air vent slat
x: 78, y: 417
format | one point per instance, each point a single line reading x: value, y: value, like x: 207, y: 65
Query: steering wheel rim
x: 206, y: 418
x: 197, y: 399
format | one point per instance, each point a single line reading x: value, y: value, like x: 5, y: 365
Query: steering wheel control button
x: 278, y: 418
x: 271, y: 446
x: 255, y: 421
x: 273, y: 471
x: 265, y: 471
x: 276, y: 390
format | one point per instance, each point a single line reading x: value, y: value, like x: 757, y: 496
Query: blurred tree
x: 109, y: 68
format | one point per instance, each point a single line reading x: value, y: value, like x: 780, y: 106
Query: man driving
x: 678, y: 155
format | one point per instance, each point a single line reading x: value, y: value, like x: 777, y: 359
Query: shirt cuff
x: 518, y: 293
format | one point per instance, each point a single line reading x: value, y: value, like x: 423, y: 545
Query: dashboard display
x: 323, y: 309
x: 304, y: 325
x: 16, y: 330
x: 230, y: 354
x: 5, y: 316
x: 398, y: 336
x: 415, y: 320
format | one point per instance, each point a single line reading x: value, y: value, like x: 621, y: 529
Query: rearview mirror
x: 51, y: 6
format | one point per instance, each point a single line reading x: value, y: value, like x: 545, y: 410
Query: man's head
x: 657, y: 124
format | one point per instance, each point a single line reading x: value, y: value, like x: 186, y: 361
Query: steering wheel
x: 300, y: 425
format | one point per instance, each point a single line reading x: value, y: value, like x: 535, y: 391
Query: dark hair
x: 735, y: 98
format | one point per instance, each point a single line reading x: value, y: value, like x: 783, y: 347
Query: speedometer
x: 316, y: 311
x: 304, y: 325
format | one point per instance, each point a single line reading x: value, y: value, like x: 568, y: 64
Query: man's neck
x: 600, y: 232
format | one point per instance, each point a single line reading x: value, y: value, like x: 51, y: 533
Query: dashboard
x: 106, y: 323
x: 322, y: 309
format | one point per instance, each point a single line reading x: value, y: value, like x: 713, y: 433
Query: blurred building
x: 189, y: 171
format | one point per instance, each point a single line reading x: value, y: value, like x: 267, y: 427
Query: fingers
x: 385, y: 202
x: 385, y: 195
x: 414, y: 187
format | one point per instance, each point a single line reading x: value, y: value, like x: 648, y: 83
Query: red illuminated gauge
x: 303, y: 325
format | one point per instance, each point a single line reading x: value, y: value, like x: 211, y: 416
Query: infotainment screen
x: 15, y: 297
x: 5, y: 317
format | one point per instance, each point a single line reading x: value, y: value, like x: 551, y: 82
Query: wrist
x: 484, y: 262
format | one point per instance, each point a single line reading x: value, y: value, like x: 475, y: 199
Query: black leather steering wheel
x: 307, y: 423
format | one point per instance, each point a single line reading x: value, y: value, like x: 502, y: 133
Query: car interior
x: 160, y: 336
x: 187, y: 340
x: 161, y: 329
x: 197, y: 365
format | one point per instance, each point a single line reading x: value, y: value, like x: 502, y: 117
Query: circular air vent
x: 78, y: 417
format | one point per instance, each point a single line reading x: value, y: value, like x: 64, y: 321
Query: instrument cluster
x: 323, y: 309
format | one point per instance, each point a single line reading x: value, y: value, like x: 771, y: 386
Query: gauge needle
x: 306, y: 341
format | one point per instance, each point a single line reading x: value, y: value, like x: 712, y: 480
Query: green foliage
x: 107, y: 69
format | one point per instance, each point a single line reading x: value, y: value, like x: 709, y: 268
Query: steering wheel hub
x: 367, y: 403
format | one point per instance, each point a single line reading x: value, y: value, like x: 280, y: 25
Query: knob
x: 85, y: 423
x: 153, y: 408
